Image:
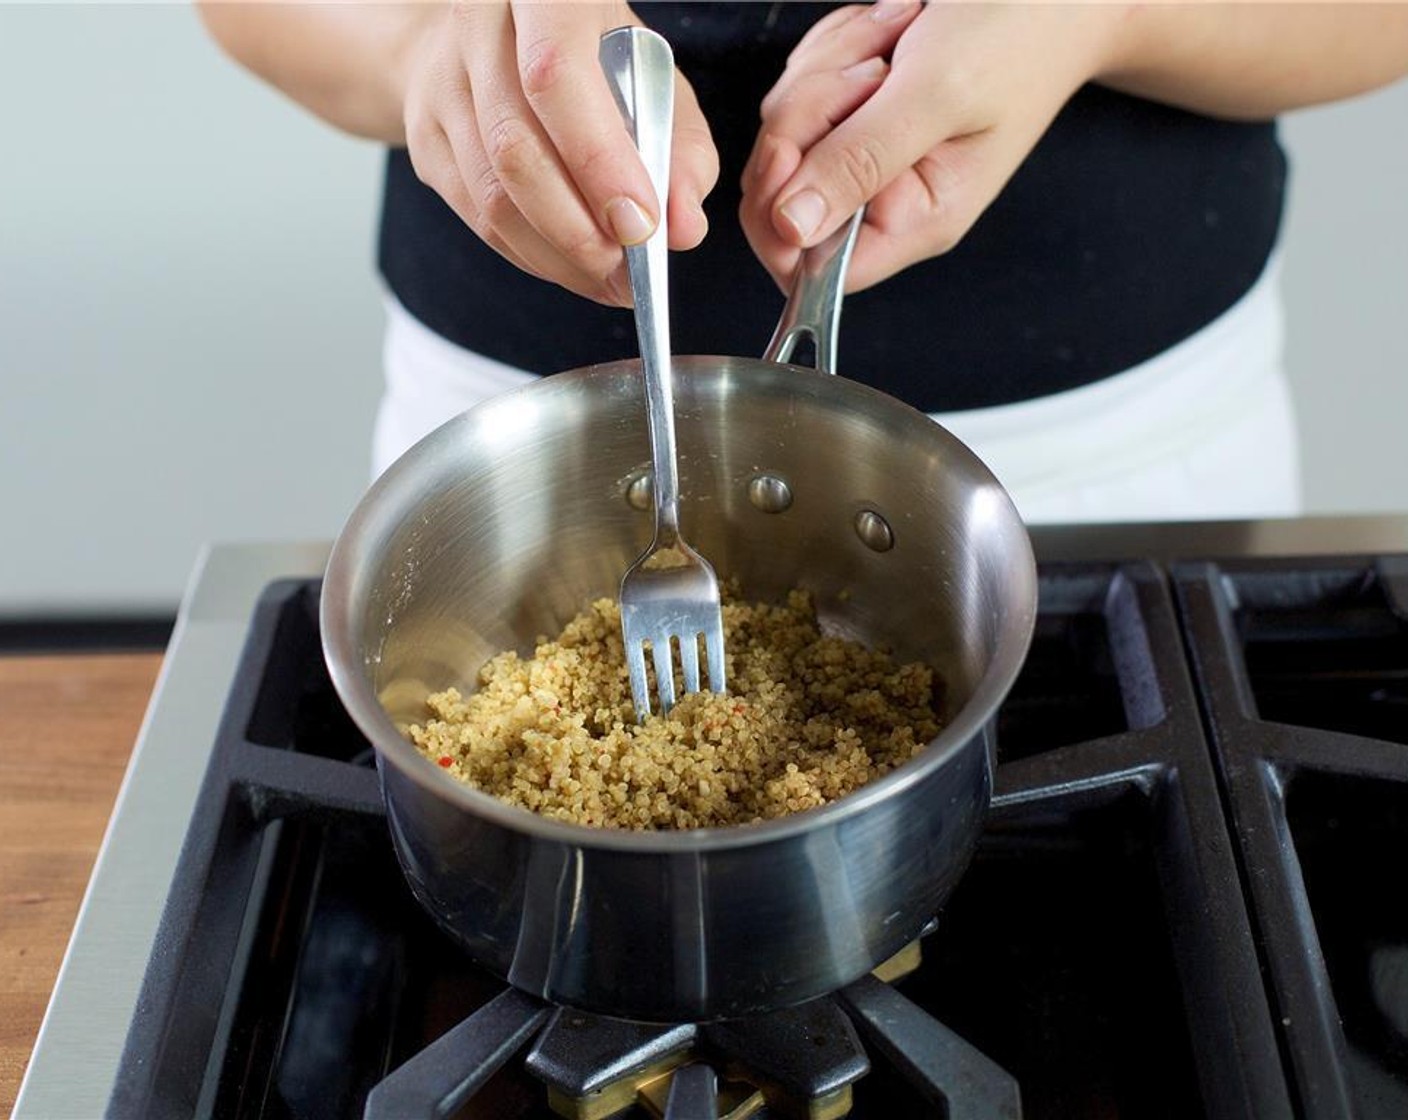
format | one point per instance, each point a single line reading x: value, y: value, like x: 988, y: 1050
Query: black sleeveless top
x: 1130, y: 226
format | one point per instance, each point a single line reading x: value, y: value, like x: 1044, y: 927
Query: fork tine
x: 640, y: 684
x: 714, y: 648
x: 689, y: 661
x: 664, y: 672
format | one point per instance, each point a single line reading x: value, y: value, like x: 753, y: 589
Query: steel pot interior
x: 506, y: 521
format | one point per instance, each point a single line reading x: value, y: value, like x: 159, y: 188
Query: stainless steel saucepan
x: 505, y: 522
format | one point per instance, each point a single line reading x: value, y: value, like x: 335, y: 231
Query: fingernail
x: 804, y: 212
x: 868, y: 70
x: 883, y: 10
x: 629, y: 222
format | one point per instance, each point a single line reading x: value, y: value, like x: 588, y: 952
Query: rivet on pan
x: 638, y: 492
x: 769, y: 493
x: 874, y: 531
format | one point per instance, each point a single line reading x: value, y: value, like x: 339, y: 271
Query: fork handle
x: 640, y: 68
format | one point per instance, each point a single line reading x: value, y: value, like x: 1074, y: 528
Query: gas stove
x: 1188, y: 900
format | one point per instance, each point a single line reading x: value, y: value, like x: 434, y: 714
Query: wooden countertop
x: 68, y: 723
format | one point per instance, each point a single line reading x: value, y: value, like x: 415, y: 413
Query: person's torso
x: 1130, y: 226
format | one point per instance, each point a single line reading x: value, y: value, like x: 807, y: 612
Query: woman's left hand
x: 925, y: 141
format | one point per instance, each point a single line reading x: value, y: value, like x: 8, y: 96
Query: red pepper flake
x: 445, y: 761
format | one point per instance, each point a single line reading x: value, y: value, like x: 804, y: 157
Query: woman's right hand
x: 510, y: 120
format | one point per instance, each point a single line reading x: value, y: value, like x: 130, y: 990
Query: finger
x: 888, y: 242
x: 499, y: 222
x: 513, y: 237
x: 822, y: 28
x: 577, y: 110
x: 821, y: 101
x: 443, y: 144
x: 778, y: 159
x: 694, y: 169
x: 862, y: 155
x: 927, y: 210
x: 849, y: 33
x: 529, y: 174
x: 867, y: 32
x: 434, y: 161
x: 560, y: 74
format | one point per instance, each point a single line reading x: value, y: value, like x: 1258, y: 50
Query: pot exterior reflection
x: 693, y: 935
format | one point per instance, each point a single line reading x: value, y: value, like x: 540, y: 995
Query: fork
x: 660, y: 605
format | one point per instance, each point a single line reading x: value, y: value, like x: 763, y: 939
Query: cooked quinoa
x: 807, y: 719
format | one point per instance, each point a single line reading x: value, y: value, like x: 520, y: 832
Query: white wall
x: 1346, y: 288
x: 188, y: 313
x: 189, y: 316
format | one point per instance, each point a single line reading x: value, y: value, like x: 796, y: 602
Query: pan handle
x: 814, y: 304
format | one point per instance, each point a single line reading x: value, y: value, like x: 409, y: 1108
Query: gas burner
x: 794, y: 1064
x: 801, y: 1061
x: 797, y: 1062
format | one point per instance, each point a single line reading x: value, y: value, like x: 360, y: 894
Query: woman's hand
x: 925, y: 140
x: 509, y: 118
x: 922, y: 113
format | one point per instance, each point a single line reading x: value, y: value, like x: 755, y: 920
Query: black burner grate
x: 1098, y: 949
x: 1303, y: 667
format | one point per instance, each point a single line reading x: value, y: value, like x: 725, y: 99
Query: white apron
x: 1204, y: 430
